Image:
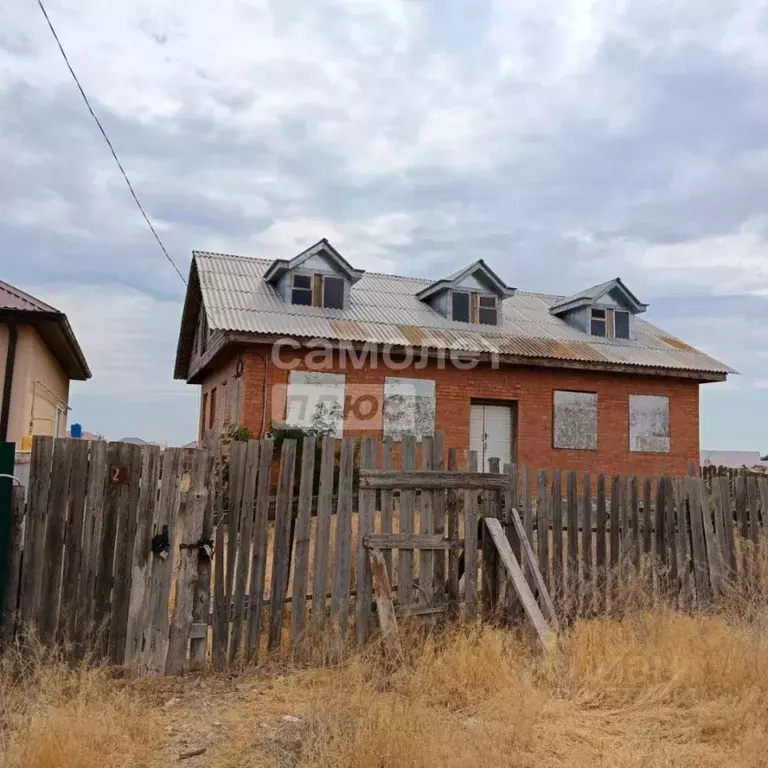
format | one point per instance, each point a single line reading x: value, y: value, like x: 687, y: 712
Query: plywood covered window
x: 333, y: 292
x: 316, y: 401
x: 649, y: 429
x: 409, y: 407
x: 621, y: 324
x: 575, y: 420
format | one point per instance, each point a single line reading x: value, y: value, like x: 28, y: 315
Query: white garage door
x: 490, y: 434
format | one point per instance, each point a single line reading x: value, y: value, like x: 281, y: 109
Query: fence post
x: 7, y: 522
x: 10, y: 545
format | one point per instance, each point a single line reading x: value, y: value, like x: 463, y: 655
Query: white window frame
x: 311, y: 288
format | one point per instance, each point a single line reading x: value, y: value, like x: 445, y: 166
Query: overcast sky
x: 564, y: 141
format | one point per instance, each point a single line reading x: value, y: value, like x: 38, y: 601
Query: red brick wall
x: 532, y: 388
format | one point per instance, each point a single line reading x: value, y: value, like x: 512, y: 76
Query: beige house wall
x: 40, y: 393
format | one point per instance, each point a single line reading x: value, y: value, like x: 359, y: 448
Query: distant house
x: 39, y: 356
x: 732, y: 459
x: 575, y: 382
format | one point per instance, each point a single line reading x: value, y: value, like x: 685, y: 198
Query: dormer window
x: 605, y: 310
x: 472, y: 295
x: 610, y: 323
x: 318, y: 291
x: 317, y: 277
x: 474, y: 308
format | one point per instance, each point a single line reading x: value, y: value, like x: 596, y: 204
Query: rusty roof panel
x: 383, y: 309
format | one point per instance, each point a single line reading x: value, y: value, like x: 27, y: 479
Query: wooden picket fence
x: 164, y: 560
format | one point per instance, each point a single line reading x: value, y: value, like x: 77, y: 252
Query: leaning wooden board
x: 546, y: 635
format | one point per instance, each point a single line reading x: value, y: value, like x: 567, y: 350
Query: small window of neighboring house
x: 599, y: 326
x: 212, y: 410
x: 301, y: 292
x: 333, y: 292
x: 460, y: 307
x: 487, y: 312
x: 621, y: 324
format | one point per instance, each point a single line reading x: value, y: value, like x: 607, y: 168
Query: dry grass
x: 659, y: 688
x: 649, y: 686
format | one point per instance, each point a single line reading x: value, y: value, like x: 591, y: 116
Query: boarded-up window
x: 649, y: 423
x: 575, y: 420
x: 409, y: 407
x: 316, y: 400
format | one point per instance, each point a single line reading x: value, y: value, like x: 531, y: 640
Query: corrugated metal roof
x: 383, y: 309
x: 14, y: 298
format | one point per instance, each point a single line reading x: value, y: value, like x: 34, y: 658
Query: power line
x: 109, y: 143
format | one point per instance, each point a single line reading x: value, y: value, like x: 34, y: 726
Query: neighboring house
x: 577, y: 382
x: 732, y: 459
x: 39, y: 356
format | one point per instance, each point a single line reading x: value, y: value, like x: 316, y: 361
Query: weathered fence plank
x: 527, y: 514
x: 452, y: 511
x: 699, y: 549
x: 634, y: 518
x: 323, y: 531
x: 542, y: 525
x: 752, y: 500
x: 127, y: 503
x: 573, y: 577
x: 405, y: 559
x: 282, y: 545
x: 259, y: 552
x: 141, y: 560
x: 301, y: 557
x: 201, y: 606
x: 385, y: 608
x: 73, y: 543
x: 438, y: 511
x: 237, y: 459
x: 191, y: 527
x: 343, y: 545
x: 367, y: 506
x: 647, y: 516
x: 426, y: 525
x: 50, y: 587
x: 545, y: 633
x: 247, y: 499
x: 435, y: 480
x: 41, y: 462
x: 470, y: 544
x: 557, y: 581
x: 92, y: 524
x: 600, y: 548
x: 721, y: 489
x: 164, y: 527
x: 387, y: 501
x: 586, y: 527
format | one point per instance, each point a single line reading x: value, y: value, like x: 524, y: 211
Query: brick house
x: 577, y: 382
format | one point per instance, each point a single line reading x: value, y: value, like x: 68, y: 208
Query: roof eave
x: 57, y: 334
